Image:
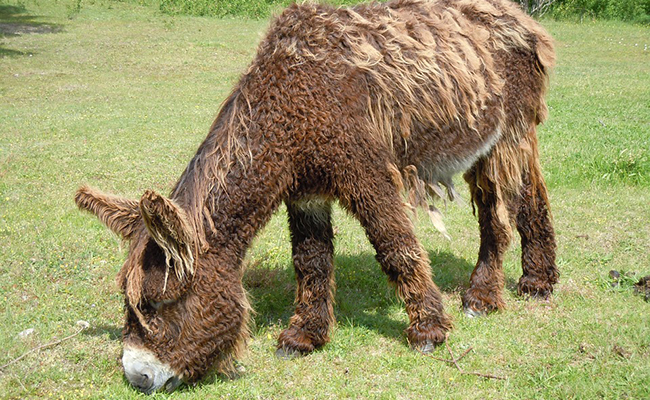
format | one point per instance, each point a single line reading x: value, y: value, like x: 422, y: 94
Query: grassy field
x: 119, y: 96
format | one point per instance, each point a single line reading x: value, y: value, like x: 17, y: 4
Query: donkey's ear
x: 169, y: 226
x: 118, y: 214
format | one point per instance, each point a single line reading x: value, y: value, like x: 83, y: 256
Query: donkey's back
x: 438, y: 83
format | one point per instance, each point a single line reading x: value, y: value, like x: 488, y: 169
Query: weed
x: 74, y: 9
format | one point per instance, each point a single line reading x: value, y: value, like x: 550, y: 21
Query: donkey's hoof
x: 535, y: 293
x: 479, y: 302
x: 425, y: 337
x: 284, y: 353
x: 292, y: 343
x: 534, y: 288
x: 427, y: 347
x: 539, y: 296
x: 471, y: 313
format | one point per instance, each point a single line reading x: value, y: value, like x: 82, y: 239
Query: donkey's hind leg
x: 375, y: 201
x: 486, y: 282
x: 523, y: 200
x: 537, y: 235
x: 311, y: 239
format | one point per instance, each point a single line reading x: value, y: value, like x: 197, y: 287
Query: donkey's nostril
x: 142, y: 379
x: 145, y: 380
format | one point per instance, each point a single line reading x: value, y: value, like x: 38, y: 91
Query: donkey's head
x: 186, y: 310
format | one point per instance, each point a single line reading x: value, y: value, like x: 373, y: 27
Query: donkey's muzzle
x: 145, y: 372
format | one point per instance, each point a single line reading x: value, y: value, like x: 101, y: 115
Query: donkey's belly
x: 438, y: 156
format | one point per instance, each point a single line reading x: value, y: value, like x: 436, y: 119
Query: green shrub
x: 219, y: 8
x: 624, y: 10
x: 255, y: 9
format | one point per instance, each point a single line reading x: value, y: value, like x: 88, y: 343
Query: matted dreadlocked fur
x: 357, y: 105
x: 426, y: 63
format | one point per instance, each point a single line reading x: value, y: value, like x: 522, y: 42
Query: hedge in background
x: 625, y: 10
x: 222, y: 8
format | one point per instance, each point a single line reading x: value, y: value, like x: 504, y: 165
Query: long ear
x: 169, y: 226
x: 118, y: 214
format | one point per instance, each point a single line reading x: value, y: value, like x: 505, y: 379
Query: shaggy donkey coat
x: 359, y: 105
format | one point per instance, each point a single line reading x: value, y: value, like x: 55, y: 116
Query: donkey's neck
x: 228, y: 192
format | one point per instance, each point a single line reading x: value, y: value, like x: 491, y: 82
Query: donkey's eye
x: 158, y: 304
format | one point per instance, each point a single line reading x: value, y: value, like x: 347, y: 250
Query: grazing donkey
x: 359, y: 105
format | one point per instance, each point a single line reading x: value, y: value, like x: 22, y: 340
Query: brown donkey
x: 359, y: 105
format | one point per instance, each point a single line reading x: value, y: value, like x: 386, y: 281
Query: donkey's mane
x: 225, y: 145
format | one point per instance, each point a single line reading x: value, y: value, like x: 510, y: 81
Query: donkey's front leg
x: 376, y: 202
x: 311, y: 239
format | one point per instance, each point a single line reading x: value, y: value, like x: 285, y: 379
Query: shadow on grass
x: 113, y: 332
x: 15, y: 21
x: 363, y: 296
x: 511, y: 284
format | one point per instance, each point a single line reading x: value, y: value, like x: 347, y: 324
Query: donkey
x: 368, y: 106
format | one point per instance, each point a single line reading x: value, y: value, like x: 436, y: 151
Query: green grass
x: 120, y: 95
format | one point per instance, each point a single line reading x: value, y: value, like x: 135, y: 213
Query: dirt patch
x: 18, y: 29
x: 642, y: 287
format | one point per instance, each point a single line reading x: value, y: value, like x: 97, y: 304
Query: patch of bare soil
x: 642, y: 287
x: 18, y: 29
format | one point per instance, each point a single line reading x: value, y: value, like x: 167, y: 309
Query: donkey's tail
x: 515, y: 156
